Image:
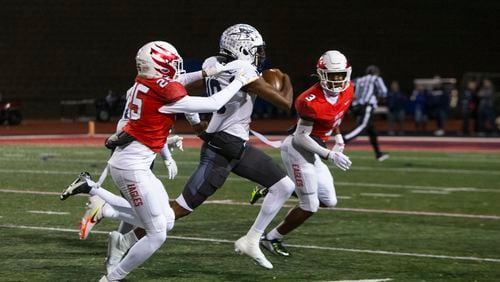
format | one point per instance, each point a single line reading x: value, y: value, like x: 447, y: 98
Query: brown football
x: 273, y: 77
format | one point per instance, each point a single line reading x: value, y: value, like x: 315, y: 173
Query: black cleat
x: 257, y: 193
x: 275, y: 246
x: 77, y: 187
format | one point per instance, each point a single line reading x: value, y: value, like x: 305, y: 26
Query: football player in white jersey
x: 225, y: 147
x: 156, y: 97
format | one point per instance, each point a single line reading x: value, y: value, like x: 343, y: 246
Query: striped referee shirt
x: 367, y: 88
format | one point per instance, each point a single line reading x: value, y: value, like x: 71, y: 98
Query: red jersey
x: 312, y: 105
x: 146, y: 123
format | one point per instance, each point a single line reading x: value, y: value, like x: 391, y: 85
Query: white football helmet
x: 244, y: 42
x: 159, y: 59
x: 333, y: 63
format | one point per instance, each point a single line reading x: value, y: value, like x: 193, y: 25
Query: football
x: 273, y: 77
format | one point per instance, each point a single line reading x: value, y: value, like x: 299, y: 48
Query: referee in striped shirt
x: 367, y: 89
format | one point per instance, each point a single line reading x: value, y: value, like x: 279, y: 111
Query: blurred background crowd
x: 74, y: 60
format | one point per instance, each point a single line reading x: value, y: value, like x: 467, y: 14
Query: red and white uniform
x: 148, y: 126
x: 146, y: 123
x: 313, y: 180
x: 315, y: 106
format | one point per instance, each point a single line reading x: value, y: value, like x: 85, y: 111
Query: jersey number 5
x: 135, y: 102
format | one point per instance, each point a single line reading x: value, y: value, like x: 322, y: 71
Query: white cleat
x: 116, y: 250
x: 92, y: 216
x: 243, y: 246
x: 105, y: 279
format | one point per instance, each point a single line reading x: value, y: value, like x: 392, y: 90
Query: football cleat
x: 92, y: 216
x: 275, y: 246
x: 77, y: 187
x: 382, y: 157
x: 105, y: 279
x: 116, y: 250
x: 257, y: 193
x: 243, y: 247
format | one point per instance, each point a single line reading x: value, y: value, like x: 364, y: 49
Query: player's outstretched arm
x: 213, y: 103
x: 280, y: 98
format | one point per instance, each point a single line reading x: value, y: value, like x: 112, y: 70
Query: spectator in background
x: 439, y: 101
x: 469, y: 105
x: 485, y: 109
x: 419, y: 99
x: 396, y: 102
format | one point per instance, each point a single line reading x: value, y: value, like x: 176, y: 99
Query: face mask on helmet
x: 244, y: 42
x: 159, y: 59
x: 334, y: 72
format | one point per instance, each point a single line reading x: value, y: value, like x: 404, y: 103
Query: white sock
x: 117, y: 274
x: 129, y: 239
x: 108, y: 211
x: 140, y: 252
x: 274, y: 234
x: 274, y: 200
x: 253, y: 236
x: 108, y: 197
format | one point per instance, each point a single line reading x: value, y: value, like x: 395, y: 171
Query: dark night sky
x: 54, y: 50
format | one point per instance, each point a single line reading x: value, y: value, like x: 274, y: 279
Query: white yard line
x: 48, y: 212
x: 385, y: 195
x: 239, y: 179
x: 376, y: 252
x: 24, y: 157
x: 434, y: 192
x: 361, y: 210
x: 364, y: 280
x: 417, y: 187
x: 427, y: 170
x: 437, y: 159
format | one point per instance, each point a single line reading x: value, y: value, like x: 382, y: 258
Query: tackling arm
x: 246, y: 75
x: 203, y: 104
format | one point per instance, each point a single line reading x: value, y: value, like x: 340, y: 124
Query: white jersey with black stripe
x: 367, y: 89
x: 235, y: 117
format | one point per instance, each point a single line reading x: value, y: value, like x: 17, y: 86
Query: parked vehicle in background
x: 10, y: 113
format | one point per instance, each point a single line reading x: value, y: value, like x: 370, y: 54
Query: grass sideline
x: 357, y: 241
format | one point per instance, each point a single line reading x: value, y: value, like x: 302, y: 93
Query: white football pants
x: 149, y: 201
x: 313, y: 180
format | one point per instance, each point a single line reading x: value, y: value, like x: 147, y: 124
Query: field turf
x: 415, y: 217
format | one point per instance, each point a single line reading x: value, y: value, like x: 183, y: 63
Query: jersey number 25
x: 134, y: 103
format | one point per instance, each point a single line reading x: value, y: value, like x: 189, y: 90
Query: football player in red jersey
x: 156, y: 97
x: 320, y: 110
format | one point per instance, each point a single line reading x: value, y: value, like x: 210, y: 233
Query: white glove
x: 171, y: 168
x: 247, y: 74
x: 214, y: 69
x: 175, y: 142
x: 340, y: 160
x: 339, y: 144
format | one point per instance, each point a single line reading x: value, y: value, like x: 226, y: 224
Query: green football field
x: 419, y: 216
